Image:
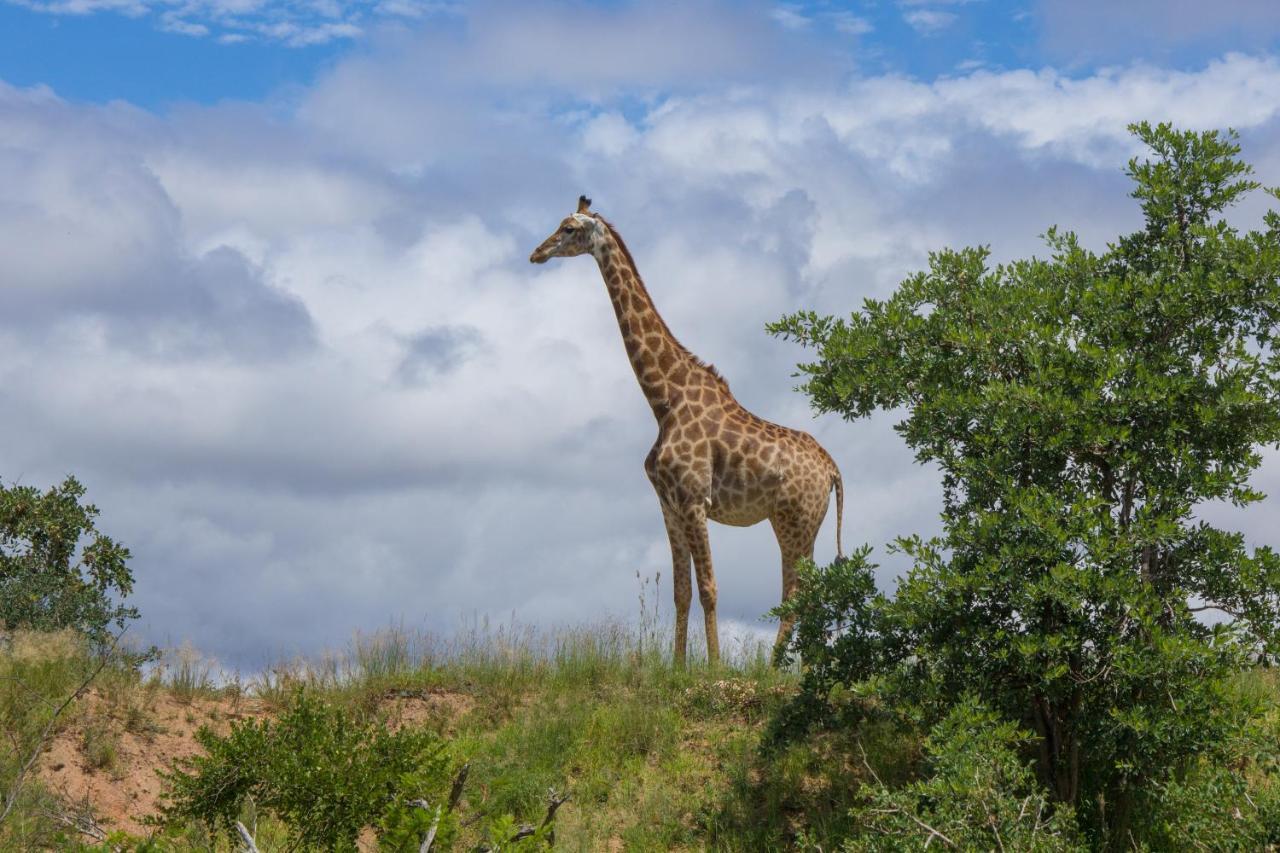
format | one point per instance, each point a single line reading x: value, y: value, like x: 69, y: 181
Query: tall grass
x: 510, y: 656
x: 186, y: 673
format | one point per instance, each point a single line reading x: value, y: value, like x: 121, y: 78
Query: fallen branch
x: 82, y: 822
x: 554, y: 802
x: 250, y: 847
x: 456, y: 793
x: 431, y: 833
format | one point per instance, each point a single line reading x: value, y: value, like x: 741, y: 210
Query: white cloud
x: 306, y: 370
x: 929, y: 22
x: 851, y: 24
x: 609, y: 134
x: 791, y: 16
x: 1106, y: 31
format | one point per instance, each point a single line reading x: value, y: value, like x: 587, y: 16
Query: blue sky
x: 160, y: 54
x: 103, y: 56
x: 264, y: 278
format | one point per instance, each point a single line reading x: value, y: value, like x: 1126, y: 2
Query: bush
x: 837, y: 635
x: 979, y: 795
x: 320, y: 769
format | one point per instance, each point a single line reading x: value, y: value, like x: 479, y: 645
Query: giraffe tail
x: 838, y: 482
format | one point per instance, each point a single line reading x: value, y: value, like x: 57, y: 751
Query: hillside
x: 652, y: 758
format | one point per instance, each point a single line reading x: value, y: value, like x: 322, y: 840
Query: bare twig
x: 11, y: 799
x: 933, y: 833
x: 1102, y: 672
x: 250, y: 847
x: 867, y: 764
x: 81, y: 822
x: 554, y: 802
x: 455, y: 794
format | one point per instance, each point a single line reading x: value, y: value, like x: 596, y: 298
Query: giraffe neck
x: 661, y: 363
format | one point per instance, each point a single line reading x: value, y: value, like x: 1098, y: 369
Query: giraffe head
x: 578, y: 234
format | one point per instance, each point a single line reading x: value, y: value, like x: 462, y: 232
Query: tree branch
x: 1219, y: 607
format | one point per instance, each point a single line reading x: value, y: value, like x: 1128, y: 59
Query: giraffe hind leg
x: 795, y: 542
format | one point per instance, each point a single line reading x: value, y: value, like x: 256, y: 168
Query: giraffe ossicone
x: 713, y: 459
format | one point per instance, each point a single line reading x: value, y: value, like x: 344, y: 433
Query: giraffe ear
x: 583, y: 203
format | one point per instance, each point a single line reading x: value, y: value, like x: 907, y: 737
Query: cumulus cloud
x: 307, y: 372
x: 92, y: 239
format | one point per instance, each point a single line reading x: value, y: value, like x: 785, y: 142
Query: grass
x: 656, y: 758
x: 185, y: 673
x: 650, y: 753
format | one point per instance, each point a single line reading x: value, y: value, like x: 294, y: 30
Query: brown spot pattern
x: 713, y: 459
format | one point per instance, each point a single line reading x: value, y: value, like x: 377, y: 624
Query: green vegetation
x: 56, y: 569
x: 1081, y: 408
x: 1042, y: 680
x: 652, y: 757
x: 324, y: 771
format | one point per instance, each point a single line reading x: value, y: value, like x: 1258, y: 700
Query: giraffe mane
x: 710, y: 368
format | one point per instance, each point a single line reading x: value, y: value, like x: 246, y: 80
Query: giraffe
x: 713, y: 459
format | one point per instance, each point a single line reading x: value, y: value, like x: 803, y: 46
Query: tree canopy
x: 1081, y: 408
x: 56, y: 569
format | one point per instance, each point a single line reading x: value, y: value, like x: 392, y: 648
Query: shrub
x: 837, y: 635
x: 319, y: 768
x: 979, y: 794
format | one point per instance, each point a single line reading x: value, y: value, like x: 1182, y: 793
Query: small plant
x: 277, y: 686
x: 100, y: 744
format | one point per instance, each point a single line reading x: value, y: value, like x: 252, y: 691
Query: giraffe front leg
x: 700, y: 550
x: 680, y: 571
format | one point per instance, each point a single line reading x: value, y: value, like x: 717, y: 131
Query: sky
x: 264, y: 279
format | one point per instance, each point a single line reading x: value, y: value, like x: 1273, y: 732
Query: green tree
x: 56, y: 569
x: 1080, y: 408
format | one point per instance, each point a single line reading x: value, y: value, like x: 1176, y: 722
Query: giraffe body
x: 712, y: 459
